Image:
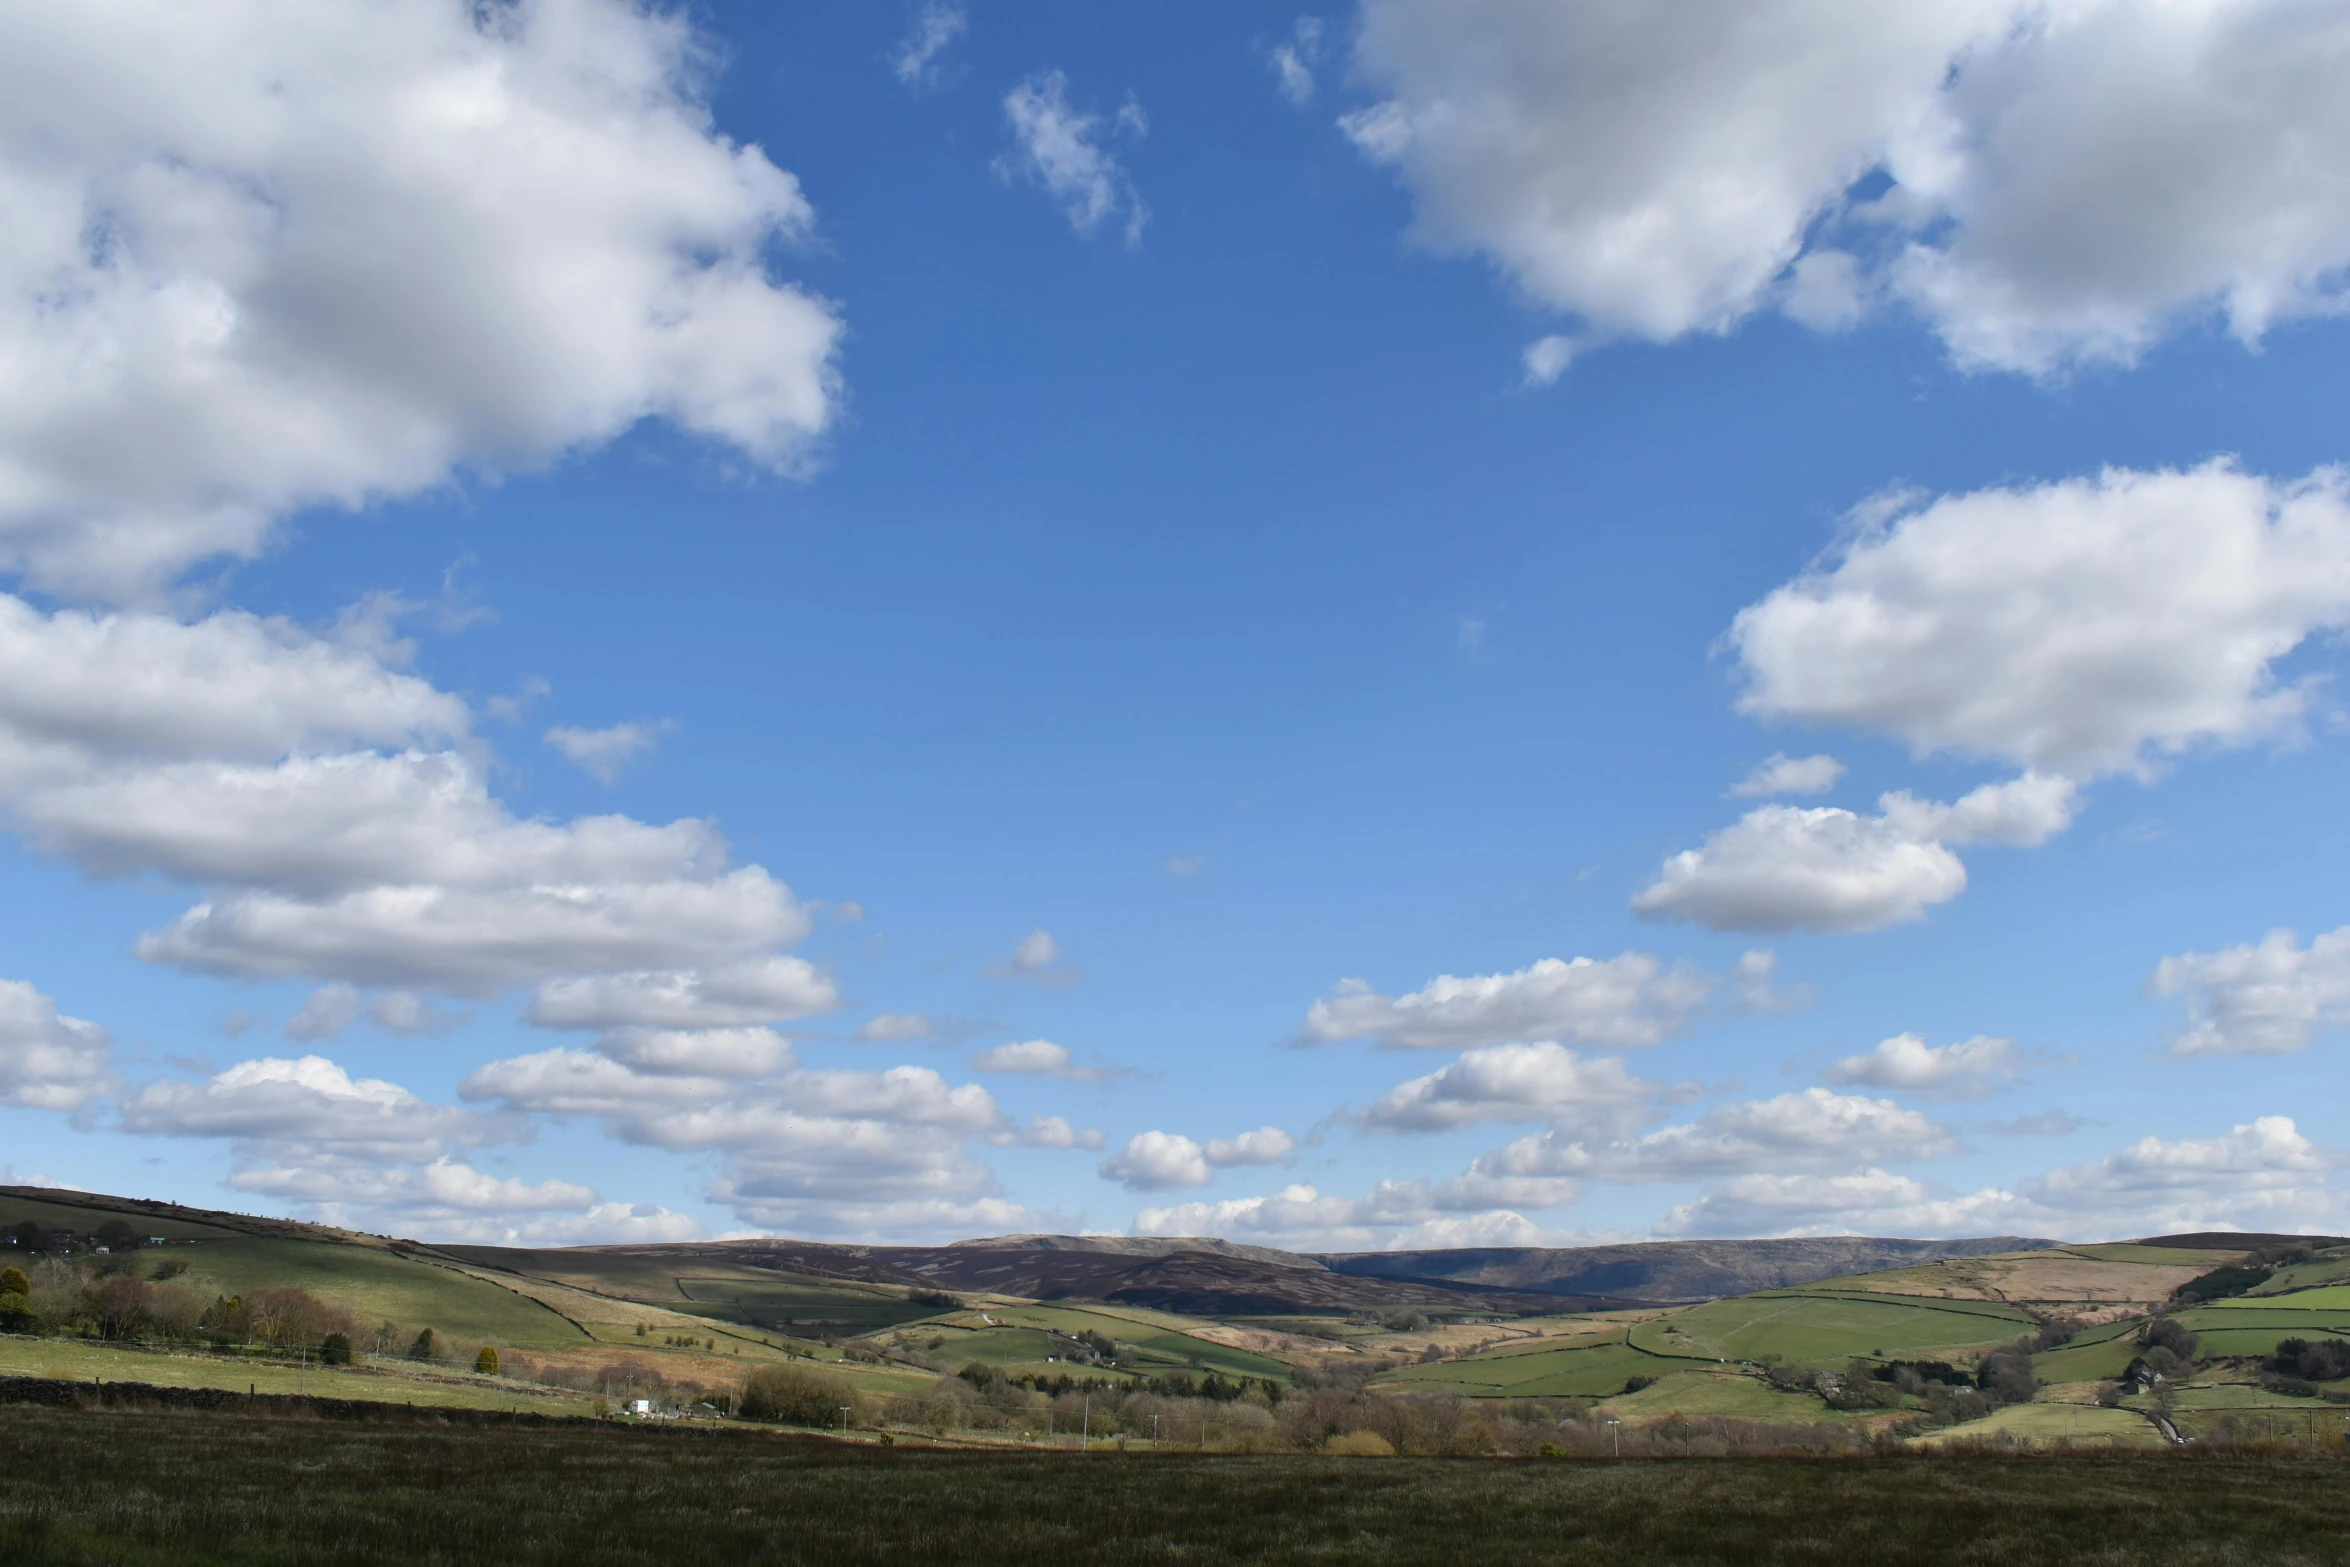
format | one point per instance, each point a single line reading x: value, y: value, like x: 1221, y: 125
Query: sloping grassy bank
x: 109, y: 1486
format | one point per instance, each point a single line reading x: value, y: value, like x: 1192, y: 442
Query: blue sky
x: 637, y: 625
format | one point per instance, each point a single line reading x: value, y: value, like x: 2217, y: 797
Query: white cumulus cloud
x: 2044, y: 184
x: 48, y: 1061
x: 1629, y: 1000
x: 1969, y: 1069
x: 1784, y: 867
x: 1157, y: 1162
x: 2269, y: 999
x: 2081, y: 627
x: 262, y: 259
x: 1520, y: 1082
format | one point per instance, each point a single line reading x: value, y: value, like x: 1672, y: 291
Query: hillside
x: 1667, y: 1270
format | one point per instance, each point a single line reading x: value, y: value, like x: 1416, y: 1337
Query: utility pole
x: 1085, y: 1430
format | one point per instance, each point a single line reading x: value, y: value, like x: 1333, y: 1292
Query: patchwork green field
x: 1586, y: 1370
x: 2054, y: 1425
x: 1810, y: 1327
x: 378, y: 1285
x: 2330, y: 1297
x: 391, y: 1382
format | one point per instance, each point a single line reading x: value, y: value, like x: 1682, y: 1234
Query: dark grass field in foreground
x: 115, y: 1486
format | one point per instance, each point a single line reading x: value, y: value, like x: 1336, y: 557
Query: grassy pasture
x: 2332, y: 1268
x: 1733, y: 1395
x: 2052, y: 1424
x: 83, y: 1218
x: 2083, y: 1275
x: 141, y: 1490
x: 1813, y: 1328
x: 2326, y: 1297
x: 377, y: 1285
x: 2159, y: 1256
x: 2101, y: 1354
x: 797, y: 1305
x: 1581, y: 1371
x: 393, y: 1382
x: 1027, y: 1335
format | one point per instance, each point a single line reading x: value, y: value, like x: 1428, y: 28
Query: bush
x: 1360, y: 1444
x: 796, y: 1397
x: 2166, y: 1333
x: 2311, y: 1360
x: 486, y: 1363
x: 422, y: 1348
x: 335, y: 1351
x: 13, y: 1281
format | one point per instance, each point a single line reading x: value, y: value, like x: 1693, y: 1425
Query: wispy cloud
x: 1061, y: 149
x: 936, y: 27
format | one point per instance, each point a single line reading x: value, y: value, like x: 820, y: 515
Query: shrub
x: 2167, y: 1333
x: 422, y: 1348
x: 793, y: 1396
x: 2318, y: 1360
x: 13, y: 1281
x: 335, y: 1351
x: 1360, y: 1444
x: 486, y: 1363
x: 2006, y: 1374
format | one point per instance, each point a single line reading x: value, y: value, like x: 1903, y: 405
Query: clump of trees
x: 2300, y: 1364
x: 2167, y: 1352
x: 798, y: 1396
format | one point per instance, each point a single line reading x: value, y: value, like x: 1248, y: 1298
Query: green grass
x: 2329, y: 1297
x: 1810, y: 1328
x: 1586, y: 1371
x: 63, y: 1213
x: 799, y: 1306
x: 1031, y: 1333
x: 377, y: 1285
x: 2159, y: 1256
x: 142, y: 1490
x: 1699, y: 1394
x: 2051, y: 1424
x: 393, y: 1382
x: 2101, y: 1354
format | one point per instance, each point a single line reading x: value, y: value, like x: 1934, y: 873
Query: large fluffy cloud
x: 48, y: 1061
x: 1969, y: 1069
x: 2264, y: 1175
x: 1523, y: 1082
x: 1784, y: 867
x: 1168, y: 1161
x: 1629, y: 1000
x: 2082, y: 627
x: 308, y: 1101
x: 828, y: 1151
x: 2044, y: 180
x: 336, y: 807
x: 264, y: 256
x: 2268, y: 999
x: 1811, y: 1131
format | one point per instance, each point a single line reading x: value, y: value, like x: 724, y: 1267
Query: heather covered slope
x: 1669, y: 1270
